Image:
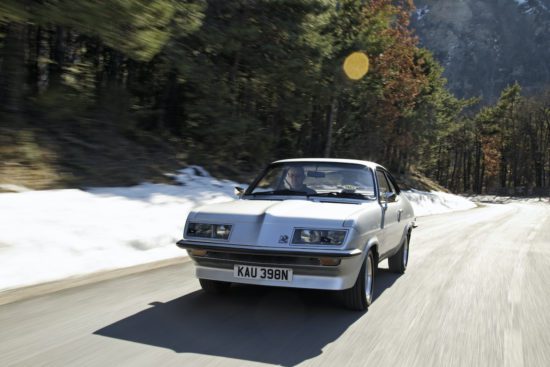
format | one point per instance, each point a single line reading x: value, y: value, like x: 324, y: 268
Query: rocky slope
x: 486, y: 45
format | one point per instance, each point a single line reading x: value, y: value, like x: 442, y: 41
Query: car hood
x: 270, y: 211
x: 264, y: 222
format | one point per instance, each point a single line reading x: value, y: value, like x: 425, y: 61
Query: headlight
x: 204, y: 230
x: 318, y: 237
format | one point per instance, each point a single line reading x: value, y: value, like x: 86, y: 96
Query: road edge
x: 26, y: 292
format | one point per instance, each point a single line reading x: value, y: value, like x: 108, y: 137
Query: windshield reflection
x: 315, y: 179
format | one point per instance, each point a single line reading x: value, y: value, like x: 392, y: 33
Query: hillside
x: 40, y: 159
x: 486, y: 45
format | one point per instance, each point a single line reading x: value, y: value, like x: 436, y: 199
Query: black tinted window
x: 382, y: 182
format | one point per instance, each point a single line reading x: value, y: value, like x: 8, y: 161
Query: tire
x: 360, y: 296
x: 214, y: 286
x: 398, y: 262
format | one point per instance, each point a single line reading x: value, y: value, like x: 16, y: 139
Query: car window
x: 393, y: 183
x: 314, y: 178
x: 390, y: 183
x: 271, y: 180
x: 382, y: 182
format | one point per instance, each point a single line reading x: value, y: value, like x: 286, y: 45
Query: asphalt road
x: 476, y: 293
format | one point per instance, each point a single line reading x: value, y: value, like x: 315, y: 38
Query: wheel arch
x: 372, y: 245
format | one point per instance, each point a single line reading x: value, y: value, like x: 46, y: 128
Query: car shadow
x: 384, y: 279
x: 282, y: 326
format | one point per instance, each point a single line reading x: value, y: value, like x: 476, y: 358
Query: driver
x: 294, y: 180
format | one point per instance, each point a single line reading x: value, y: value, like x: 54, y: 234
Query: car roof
x: 331, y: 160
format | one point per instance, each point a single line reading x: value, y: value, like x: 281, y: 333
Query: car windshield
x: 315, y: 179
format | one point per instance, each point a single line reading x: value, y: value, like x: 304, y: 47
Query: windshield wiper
x: 344, y: 195
x: 280, y: 192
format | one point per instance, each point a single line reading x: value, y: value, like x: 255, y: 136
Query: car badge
x: 283, y: 238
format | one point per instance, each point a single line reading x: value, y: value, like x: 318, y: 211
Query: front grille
x: 260, y: 259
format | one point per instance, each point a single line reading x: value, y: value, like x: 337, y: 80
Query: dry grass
x: 42, y: 159
x: 418, y: 181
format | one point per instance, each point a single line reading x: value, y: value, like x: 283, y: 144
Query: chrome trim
x: 207, y: 259
x: 406, y: 253
x: 369, y: 279
x: 266, y: 250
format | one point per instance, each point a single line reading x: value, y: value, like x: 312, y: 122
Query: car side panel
x: 405, y: 223
x: 392, y: 227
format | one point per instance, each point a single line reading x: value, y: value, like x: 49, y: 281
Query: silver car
x: 304, y: 223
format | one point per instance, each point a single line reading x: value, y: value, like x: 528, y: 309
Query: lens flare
x: 356, y: 65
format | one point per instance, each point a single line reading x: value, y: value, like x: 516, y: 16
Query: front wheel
x: 359, y: 297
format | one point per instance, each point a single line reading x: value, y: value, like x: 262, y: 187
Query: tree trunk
x: 503, y: 172
x: 453, y: 174
x: 331, y: 121
x: 438, y: 172
x: 34, y: 40
x: 57, y: 55
x: 477, y: 169
x: 12, y: 74
x: 170, y: 103
x: 466, y: 171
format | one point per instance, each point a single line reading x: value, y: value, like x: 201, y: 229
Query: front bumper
x: 219, y: 260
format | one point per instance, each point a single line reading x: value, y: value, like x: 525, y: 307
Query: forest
x: 240, y: 83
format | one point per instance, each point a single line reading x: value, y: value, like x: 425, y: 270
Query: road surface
x: 476, y: 293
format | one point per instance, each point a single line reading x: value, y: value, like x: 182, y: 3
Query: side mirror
x: 390, y: 197
x: 239, y: 191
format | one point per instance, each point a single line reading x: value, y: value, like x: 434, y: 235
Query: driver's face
x: 295, y: 177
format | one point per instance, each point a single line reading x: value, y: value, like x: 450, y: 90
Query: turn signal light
x: 329, y: 261
x: 197, y: 252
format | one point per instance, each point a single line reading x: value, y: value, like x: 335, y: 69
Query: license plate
x: 261, y: 272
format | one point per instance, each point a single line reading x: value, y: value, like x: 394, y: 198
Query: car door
x: 391, y: 213
x: 401, y: 224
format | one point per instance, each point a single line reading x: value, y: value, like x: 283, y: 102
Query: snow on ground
x: 55, y: 234
x: 435, y: 202
x: 496, y: 199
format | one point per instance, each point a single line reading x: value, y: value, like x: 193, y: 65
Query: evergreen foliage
x: 241, y: 83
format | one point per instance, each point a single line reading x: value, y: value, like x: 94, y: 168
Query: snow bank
x: 435, y: 202
x: 54, y: 234
x: 496, y: 199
